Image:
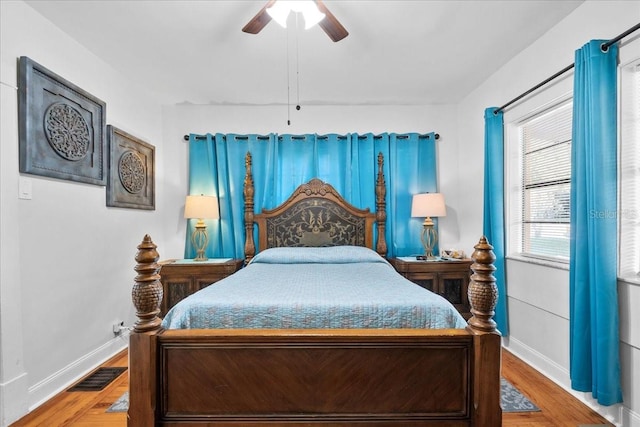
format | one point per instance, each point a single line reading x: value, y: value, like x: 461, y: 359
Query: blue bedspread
x: 301, y: 288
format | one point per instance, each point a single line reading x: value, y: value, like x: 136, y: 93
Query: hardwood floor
x: 85, y: 408
x: 558, y: 408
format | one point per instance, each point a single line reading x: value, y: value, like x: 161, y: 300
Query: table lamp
x: 428, y: 205
x: 201, y: 207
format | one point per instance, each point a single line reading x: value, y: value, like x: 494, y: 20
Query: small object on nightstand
x: 452, y: 254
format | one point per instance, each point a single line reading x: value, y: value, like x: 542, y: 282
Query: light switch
x: 24, y: 188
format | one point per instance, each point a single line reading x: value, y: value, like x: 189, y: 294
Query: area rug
x: 120, y: 405
x: 511, y: 400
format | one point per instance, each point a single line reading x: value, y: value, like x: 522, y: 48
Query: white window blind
x: 546, y: 183
x: 629, y: 172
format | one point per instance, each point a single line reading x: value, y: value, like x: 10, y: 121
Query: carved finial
x: 248, y: 191
x: 483, y: 292
x: 147, y: 291
x: 316, y: 187
x: 381, y: 208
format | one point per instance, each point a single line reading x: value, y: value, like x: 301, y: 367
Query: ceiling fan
x: 329, y: 24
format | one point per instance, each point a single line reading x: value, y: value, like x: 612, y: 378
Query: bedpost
x: 146, y: 296
x: 381, y: 208
x: 249, y: 244
x: 483, y: 294
x: 147, y: 291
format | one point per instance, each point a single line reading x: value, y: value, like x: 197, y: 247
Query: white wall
x: 66, y: 260
x: 538, y: 294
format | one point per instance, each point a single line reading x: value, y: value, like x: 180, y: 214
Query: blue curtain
x: 283, y: 162
x: 493, y: 212
x: 594, y: 354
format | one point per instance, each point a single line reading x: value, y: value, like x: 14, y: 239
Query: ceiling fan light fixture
x: 281, y: 9
x: 312, y: 15
x: 279, y: 12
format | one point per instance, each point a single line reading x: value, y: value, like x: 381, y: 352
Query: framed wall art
x: 131, y: 182
x: 61, y: 127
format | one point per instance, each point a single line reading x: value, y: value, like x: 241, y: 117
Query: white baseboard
x: 616, y: 414
x: 630, y: 418
x: 49, y: 387
x: 540, y: 362
x: 12, y: 409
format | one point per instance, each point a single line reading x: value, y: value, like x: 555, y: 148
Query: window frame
x: 543, y: 220
x: 514, y: 211
x: 628, y: 216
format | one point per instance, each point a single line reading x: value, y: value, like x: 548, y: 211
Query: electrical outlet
x: 118, y: 328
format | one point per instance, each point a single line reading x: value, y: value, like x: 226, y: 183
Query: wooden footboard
x: 399, y: 377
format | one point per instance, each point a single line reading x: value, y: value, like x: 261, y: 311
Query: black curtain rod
x: 604, y: 47
x: 533, y: 89
x: 201, y: 137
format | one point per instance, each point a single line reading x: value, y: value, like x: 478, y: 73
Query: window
x: 545, y: 141
x: 629, y: 172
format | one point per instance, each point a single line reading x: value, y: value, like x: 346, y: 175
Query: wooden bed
x: 304, y: 377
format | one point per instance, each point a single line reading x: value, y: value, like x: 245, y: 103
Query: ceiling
x: 397, y: 52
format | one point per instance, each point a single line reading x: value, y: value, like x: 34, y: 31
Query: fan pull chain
x: 297, y: 66
x: 288, y: 84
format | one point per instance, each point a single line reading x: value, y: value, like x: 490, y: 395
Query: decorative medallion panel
x: 62, y: 127
x: 131, y: 171
x: 315, y: 222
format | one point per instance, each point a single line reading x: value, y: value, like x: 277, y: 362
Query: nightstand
x: 182, y: 277
x: 447, y: 278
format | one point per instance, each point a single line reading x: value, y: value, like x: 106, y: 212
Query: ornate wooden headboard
x: 314, y: 215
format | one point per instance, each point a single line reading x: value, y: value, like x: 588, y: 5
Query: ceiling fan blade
x: 259, y: 21
x: 330, y: 24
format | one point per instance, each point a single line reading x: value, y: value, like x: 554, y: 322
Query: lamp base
x: 429, y: 239
x: 201, y: 257
x: 200, y: 239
